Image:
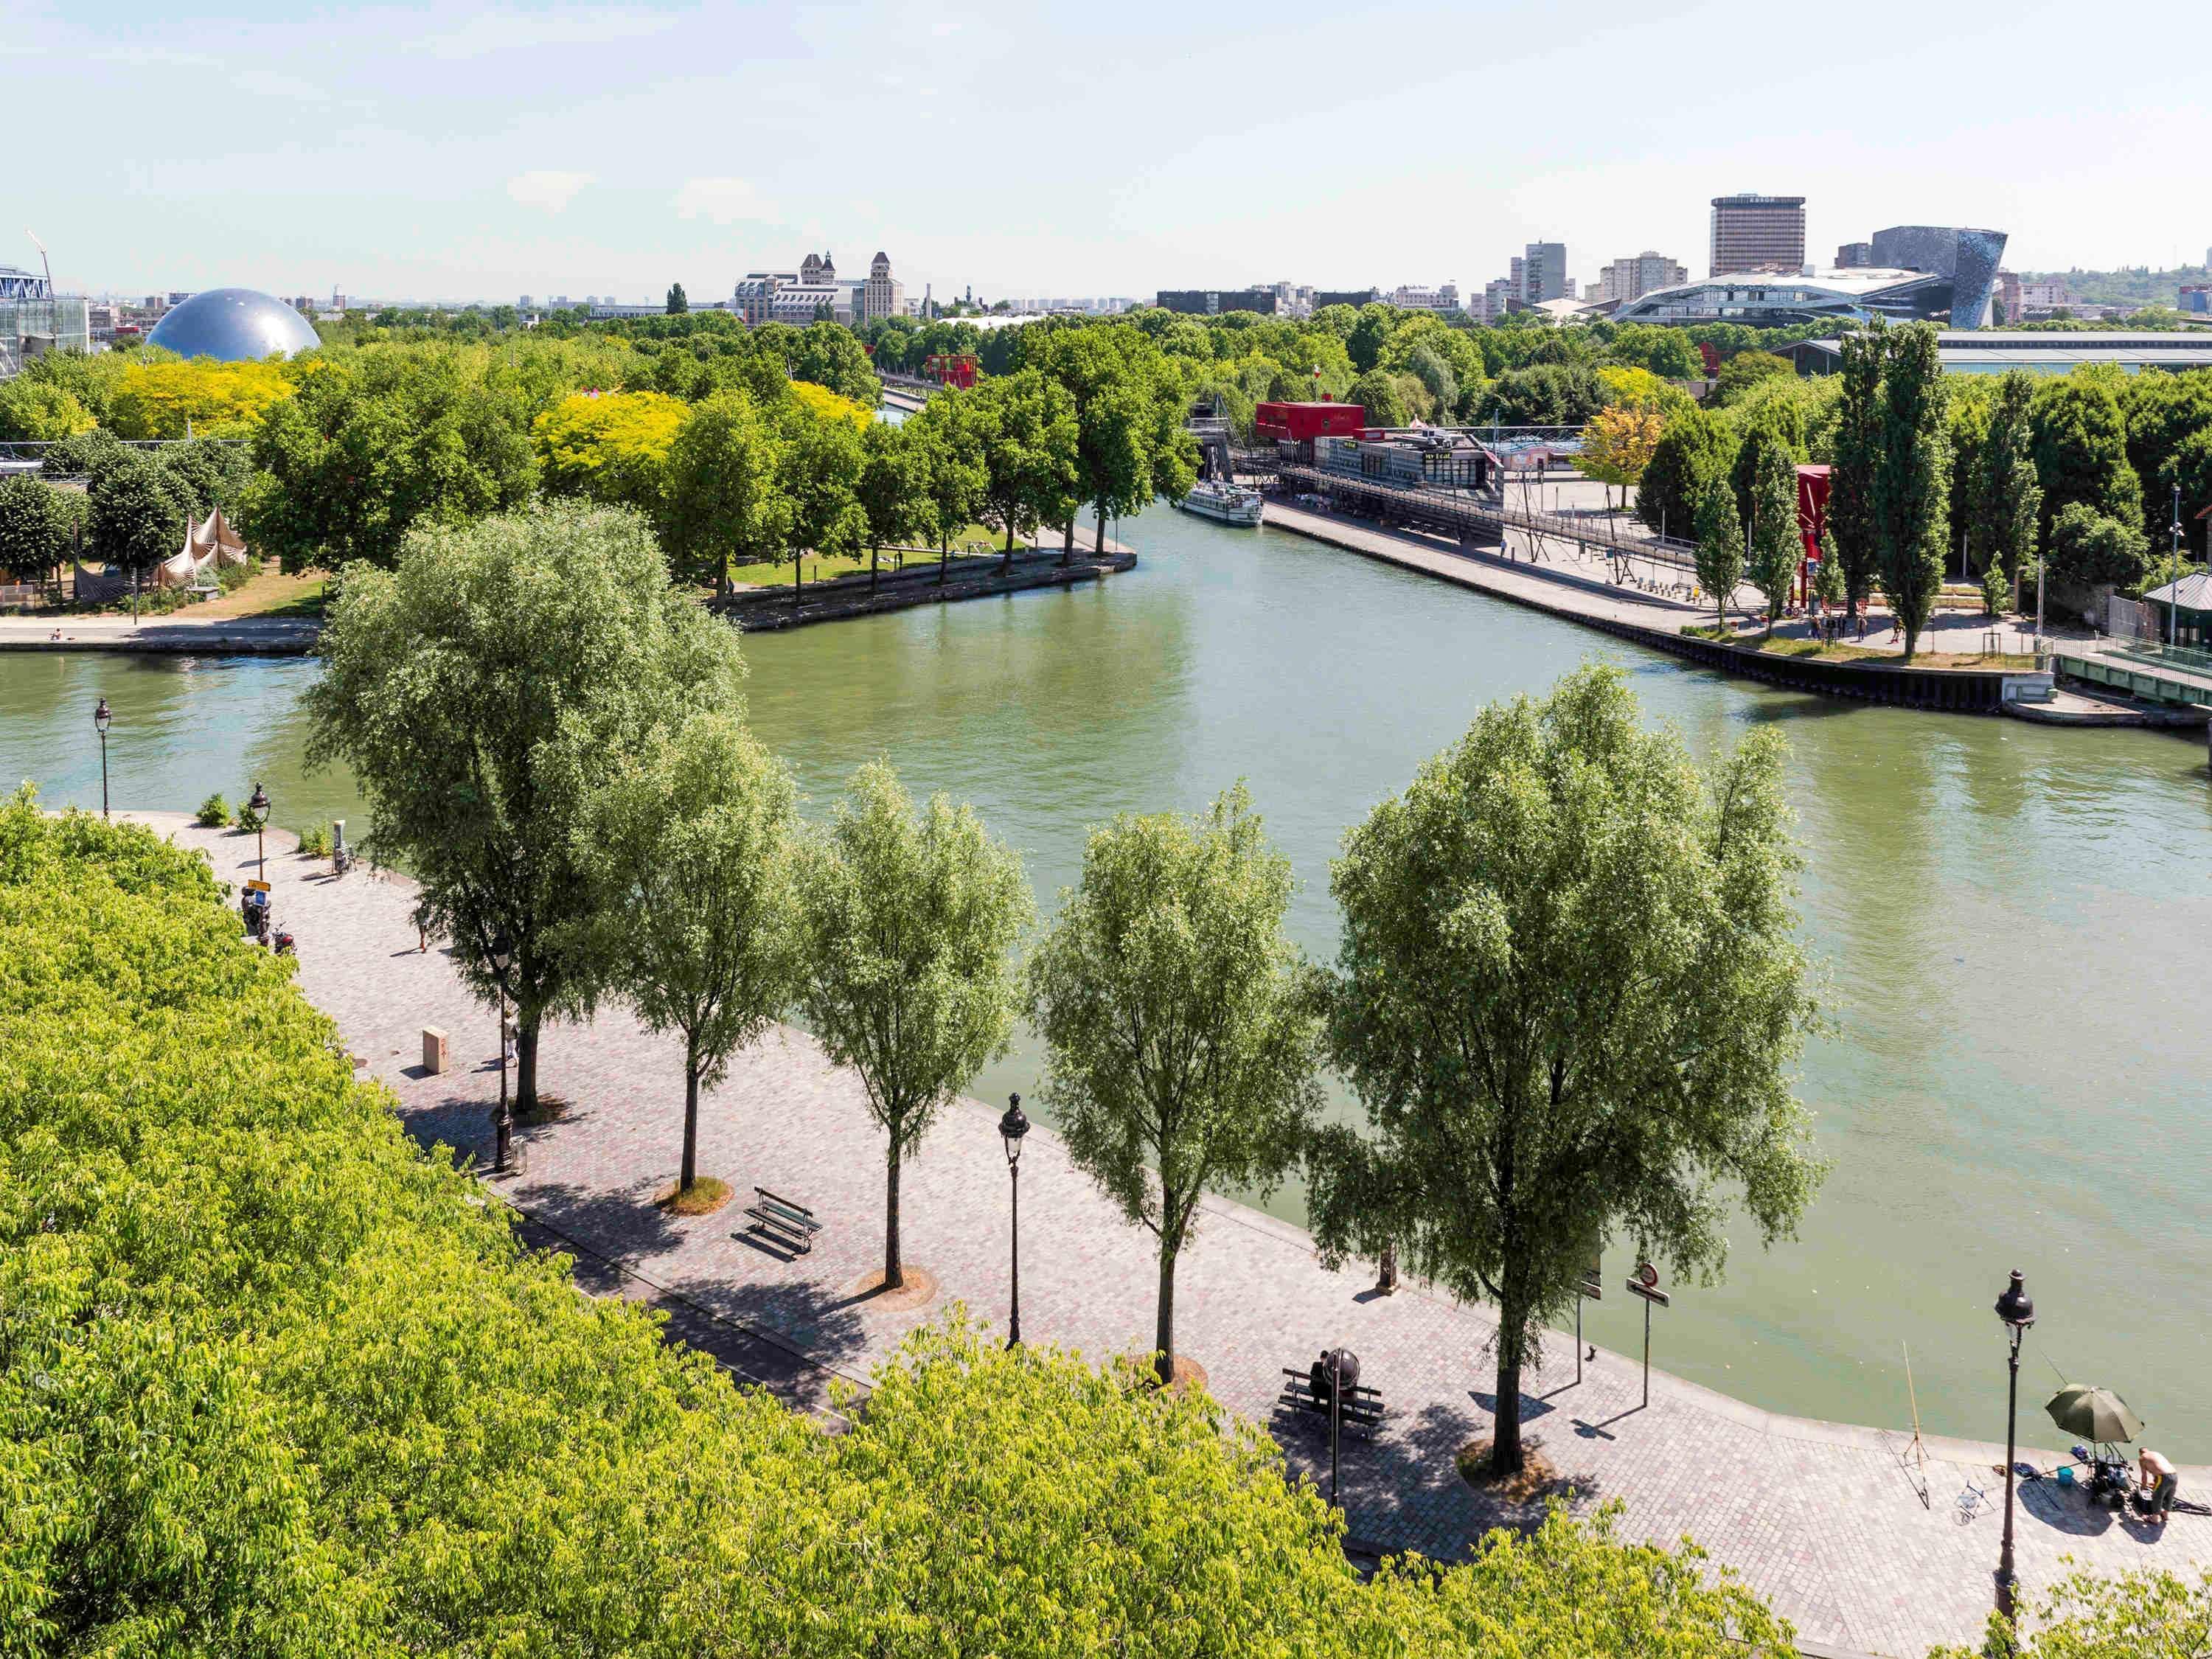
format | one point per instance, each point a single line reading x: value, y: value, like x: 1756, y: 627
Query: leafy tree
x: 1544, y: 394
x: 83, y: 454
x: 2147, y: 1613
x: 34, y: 529
x: 1180, y: 1044
x: 722, y: 495
x: 1695, y: 449
x: 1618, y: 445
x: 2088, y: 548
x: 1970, y: 409
x: 611, y: 447
x: 1746, y: 369
x: 139, y: 517
x: 1378, y: 395
x: 2162, y: 411
x: 827, y: 354
x: 1854, y: 534
x: 1367, y: 337
x: 1665, y: 352
x: 1029, y: 442
x: 2082, y: 452
x: 40, y: 412
x: 1778, y: 545
x: 1912, y: 480
x: 818, y: 477
x: 691, y: 842
x: 206, y: 474
x: 1759, y: 427
x: 2189, y: 468
x: 908, y: 922
x: 2011, y: 493
x: 168, y: 397
x: 678, y: 304
x: 948, y: 435
x: 1720, y: 555
x: 481, y: 695
x: 1828, y: 578
x: 1436, y: 377
x: 893, y: 489
x: 1120, y: 393
x: 1569, y: 995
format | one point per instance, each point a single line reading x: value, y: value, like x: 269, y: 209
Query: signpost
x: 1645, y: 1284
x: 1591, y: 1291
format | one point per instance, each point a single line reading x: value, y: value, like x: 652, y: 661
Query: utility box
x: 436, y: 1051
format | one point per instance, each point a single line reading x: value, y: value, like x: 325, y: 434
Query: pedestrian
x: 421, y: 937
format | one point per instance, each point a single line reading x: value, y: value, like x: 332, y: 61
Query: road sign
x: 257, y: 886
x: 1646, y: 1286
x: 1647, y: 1273
x: 1657, y: 1297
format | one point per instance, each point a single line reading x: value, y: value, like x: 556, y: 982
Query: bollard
x: 436, y: 1054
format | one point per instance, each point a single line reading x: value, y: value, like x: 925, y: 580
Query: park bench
x: 782, y: 1222
x: 1362, y: 1407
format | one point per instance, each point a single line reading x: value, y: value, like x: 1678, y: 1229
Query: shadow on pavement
x: 624, y: 1224
x: 822, y: 1320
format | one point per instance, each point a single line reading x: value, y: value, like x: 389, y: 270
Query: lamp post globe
x: 101, y: 720
x: 2016, y: 1311
x: 1012, y: 1127
x: 501, y: 954
x: 259, y: 806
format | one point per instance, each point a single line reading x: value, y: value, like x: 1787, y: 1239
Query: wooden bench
x: 782, y: 1222
x: 1362, y: 1408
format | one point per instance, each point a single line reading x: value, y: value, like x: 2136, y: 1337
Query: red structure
x: 1812, y: 523
x: 1303, y: 423
x: 952, y: 368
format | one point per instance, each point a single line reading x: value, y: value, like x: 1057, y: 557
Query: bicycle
x: 1971, y: 1503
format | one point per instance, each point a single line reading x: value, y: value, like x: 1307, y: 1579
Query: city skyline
x: 477, y: 156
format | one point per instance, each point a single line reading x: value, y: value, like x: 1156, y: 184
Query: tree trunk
x: 1098, y: 541
x: 1164, y: 1329
x: 1506, y: 1454
x: 1067, y: 541
x: 894, y: 1274
x: 526, y: 1061
x: 943, y: 558
x: 797, y: 579
x: 875, y: 561
x: 689, y: 1171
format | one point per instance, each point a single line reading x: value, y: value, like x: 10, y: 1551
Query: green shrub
x: 247, y: 818
x: 214, y: 812
x: 1997, y: 590
x: 315, y: 842
x: 276, y: 1381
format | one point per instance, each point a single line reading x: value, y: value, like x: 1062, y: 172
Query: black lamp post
x: 259, y: 806
x: 100, y: 718
x: 2018, y: 1312
x: 503, y: 953
x: 1343, y: 1368
x: 1012, y: 1127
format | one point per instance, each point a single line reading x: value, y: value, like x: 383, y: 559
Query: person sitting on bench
x: 2159, y: 1484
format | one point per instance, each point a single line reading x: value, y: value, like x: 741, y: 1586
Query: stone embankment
x: 762, y: 610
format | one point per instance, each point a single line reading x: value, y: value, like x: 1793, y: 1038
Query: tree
x: 908, y: 922
x: 1720, y: 554
x: 950, y: 437
x: 1778, y: 545
x: 1426, y: 364
x: 1181, y: 1043
x: 1853, y: 534
x: 722, y: 493
x: 691, y: 842
x: 2082, y: 452
x: 1759, y: 426
x: 678, y: 304
x: 1367, y: 337
x: 1912, y: 480
x: 1828, y: 578
x: 1028, y: 440
x: 139, y: 517
x: 2012, y: 495
x: 2089, y: 548
x: 893, y: 489
x: 819, y: 476
x: 611, y: 447
x: 1696, y: 448
x: 34, y: 529
x: 1378, y: 395
x: 1569, y: 995
x: 2147, y: 1613
x: 1544, y: 394
x: 168, y: 397
x: 1746, y: 369
x: 40, y: 412
x: 482, y: 694
x: 2162, y: 412
x: 1618, y: 445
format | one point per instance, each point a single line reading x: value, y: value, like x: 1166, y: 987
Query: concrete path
x: 177, y: 633
x: 1823, y: 1519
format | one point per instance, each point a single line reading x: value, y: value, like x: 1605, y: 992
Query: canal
x: 2016, y: 923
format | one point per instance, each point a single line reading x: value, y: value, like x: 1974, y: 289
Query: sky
x: 460, y: 152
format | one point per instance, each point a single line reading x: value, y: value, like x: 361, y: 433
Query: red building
x: 951, y: 368
x: 1812, y: 522
x: 1303, y: 423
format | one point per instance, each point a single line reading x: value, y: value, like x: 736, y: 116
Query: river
x: 2016, y: 922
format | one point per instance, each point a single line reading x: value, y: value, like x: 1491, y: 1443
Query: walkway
x: 1819, y: 1517
x: 179, y: 633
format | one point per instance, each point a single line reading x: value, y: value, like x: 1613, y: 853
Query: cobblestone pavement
x: 1819, y: 1517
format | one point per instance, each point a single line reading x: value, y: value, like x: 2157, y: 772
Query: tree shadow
x: 623, y: 1223
x: 823, y: 1321
x: 1531, y: 1406
x: 465, y: 1125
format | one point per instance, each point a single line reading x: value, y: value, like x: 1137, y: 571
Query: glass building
x: 35, y: 320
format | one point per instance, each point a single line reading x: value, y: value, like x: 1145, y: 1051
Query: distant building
x: 1854, y: 256
x: 1214, y: 302
x: 1986, y: 351
x: 2196, y: 297
x: 1291, y: 299
x: 2008, y: 303
x: 35, y: 320
x: 523, y: 303
x: 1632, y: 278
x: 1541, y: 273
x: 1757, y: 233
x: 1498, y: 297
x: 800, y: 297
x: 1966, y: 259
x: 881, y: 295
x: 1445, y: 298
x: 1764, y: 300
x: 2045, y: 296
x: 1354, y: 297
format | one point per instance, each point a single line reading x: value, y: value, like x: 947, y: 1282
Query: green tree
x: 678, y: 304
x: 893, y: 489
x: 723, y: 495
x: 1778, y: 545
x: 1745, y: 370
x: 1854, y: 535
x: 139, y: 517
x: 2162, y: 412
x: 950, y: 437
x: 1758, y: 427
x: 691, y: 843
x: 908, y: 923
x: 34, y: 529
x: 1029, y: 443
x: 2089, y: 548
x: 1696, y: 448
x: 1544, y: 394
x: 2081, y: 452
x: 2147, y: 1613
x: 39, y: 411
x: 819, y: 476
x: 2011, y: 493
x: 481, y: 695
x: 1378, y: 395
x: 1368, y: 334
x: 1912, y: 480
x: 1720, y: 554
x: 1828, y: 578
x: 1569, y: 995
x: 1181, y: 1043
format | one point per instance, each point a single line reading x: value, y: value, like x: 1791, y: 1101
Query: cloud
x: 724, y: 201
x: 486, y: 32
x: 547, y: 190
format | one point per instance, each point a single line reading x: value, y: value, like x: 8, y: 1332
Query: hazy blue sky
x: 460, y: 153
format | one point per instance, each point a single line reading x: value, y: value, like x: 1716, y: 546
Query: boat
x: 1227, y: 503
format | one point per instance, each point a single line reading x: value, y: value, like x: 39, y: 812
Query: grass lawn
x: 268, y: 593
x: 2007, y: 660
x: 779, y: 575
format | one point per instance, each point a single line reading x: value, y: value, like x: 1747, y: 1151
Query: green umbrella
x: 2093, y: 1413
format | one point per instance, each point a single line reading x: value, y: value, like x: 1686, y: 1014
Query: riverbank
x: 1824, y: 1519
x: 768, y: 609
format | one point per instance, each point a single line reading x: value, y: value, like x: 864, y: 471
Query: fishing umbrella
x: 2093, y: 1413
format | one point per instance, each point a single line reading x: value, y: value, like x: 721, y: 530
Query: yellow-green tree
x: 168, y: 397
x: 610, y: 447
x: 1617, y: 444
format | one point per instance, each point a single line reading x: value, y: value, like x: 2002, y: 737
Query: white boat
x: 1228, y: 503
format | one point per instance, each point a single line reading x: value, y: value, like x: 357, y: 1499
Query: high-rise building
x: 1498, y: 297
x: 523, y: 303
x: 1632, y: 278
x: 883, y: 295
x: 1757, y: 233
x: 1214, y: 302
x: 1855, y: 256
x: 1541, y: 273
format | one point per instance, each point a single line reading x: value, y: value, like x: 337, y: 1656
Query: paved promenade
x: 1821, y: 1518
x: 179, y: 633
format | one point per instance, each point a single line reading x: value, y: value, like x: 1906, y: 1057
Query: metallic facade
x: 1968, y: 258
x: 234, y: 326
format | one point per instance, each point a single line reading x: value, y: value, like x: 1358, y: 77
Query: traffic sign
x: 257, y: 886
x: 1647, y: 1273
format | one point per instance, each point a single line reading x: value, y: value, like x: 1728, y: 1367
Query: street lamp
x: 503, y: 953
x: 1342, y: 1366
x: 260, y: 807
x: 1012, y: 1127
x: 2018, y: 1312
x: 100, y: 718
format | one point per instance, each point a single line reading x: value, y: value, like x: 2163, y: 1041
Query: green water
x: 2017, y: 922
